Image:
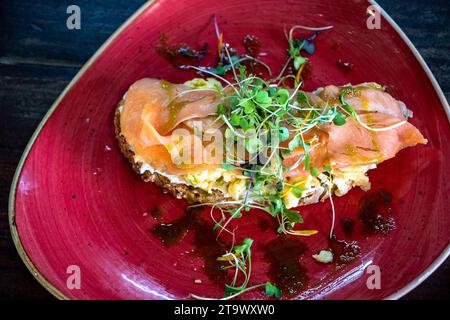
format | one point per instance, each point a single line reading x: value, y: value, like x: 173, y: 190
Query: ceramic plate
x: 76, y: 205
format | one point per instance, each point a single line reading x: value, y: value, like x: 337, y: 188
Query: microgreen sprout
x: 251, y: 107
x: 296, y: 47
x: 239, y: 259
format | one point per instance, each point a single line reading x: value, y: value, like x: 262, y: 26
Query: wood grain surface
x: 39, y: 56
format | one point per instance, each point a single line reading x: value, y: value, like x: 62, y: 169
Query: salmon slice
x: 366, y: 97
x: 352, y: 144
x: 153, y: 108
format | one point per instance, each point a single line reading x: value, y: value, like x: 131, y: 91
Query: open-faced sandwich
x: 327, y: 141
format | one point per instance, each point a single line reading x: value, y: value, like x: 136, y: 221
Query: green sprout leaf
x: 220, y: 70
x: 229, y: 290
x: 242, y: 72
x: 294, y: 143
x: 249, y: 107
x: 234, y: 120
x: 228, y: 133
x: 344, y: 103
x: 297, y: 192
x: 284, y: 134
x: 282, y: 96
x: 276, y: 206
x: 253, y: 145
x: 280, y: 229
x: 236, y: 213
x: 243, y: 123
x: 244, y: 247
x: 293, y: 49
x: 339, y: 119
x: 293, y: 216
x: 272, y: 91
x: 315, y: 172
x: 303, y: 97
x: 307, y: 161
x: 228, y: 166
x: 298, y: 61
x: 221, y: 109
x: 248, y: 242
x: 272, y: 290
x: 262, y: 97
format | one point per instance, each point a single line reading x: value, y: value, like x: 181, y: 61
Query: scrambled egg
x: 345, y: 179
x: 306, y: 185
x: 202, y: 83
x: 229, y: 182
x: 234, y: 185
x: 312, y: 187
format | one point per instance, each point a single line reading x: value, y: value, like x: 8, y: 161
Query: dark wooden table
x: 39, y: 56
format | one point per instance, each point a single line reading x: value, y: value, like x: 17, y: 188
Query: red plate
x: 75, y: 201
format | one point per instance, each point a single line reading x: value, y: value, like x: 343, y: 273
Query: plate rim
x: 11, y: 202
